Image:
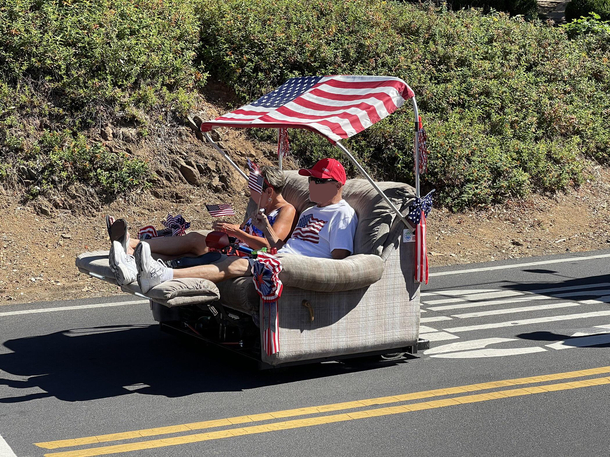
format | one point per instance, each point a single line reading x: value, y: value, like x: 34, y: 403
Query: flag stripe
x: 351, y: 114
x: 380, y: 102
x: 333, y: 122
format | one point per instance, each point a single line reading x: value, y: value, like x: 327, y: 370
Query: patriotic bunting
x: 418, y: 211
x: 146, y: 233
x: 265, y: 272
x: 176, y: 224
x: 283, y: 143
x: 220, y: 210
x: 422, y: 148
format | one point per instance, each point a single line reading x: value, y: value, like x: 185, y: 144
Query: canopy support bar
x: 366, y: 175
x: 416, y: 147
x: 225, y: 155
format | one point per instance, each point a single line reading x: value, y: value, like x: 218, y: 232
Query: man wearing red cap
x: 325, y: 230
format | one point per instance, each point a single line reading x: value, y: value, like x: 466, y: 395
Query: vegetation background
x: 96, y: 96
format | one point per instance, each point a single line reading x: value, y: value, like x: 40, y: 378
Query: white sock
x: 167, y: 275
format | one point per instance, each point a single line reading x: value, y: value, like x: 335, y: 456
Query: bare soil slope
x: 40, y: 240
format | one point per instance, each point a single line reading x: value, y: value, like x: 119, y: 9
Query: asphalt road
x: 518, y: 366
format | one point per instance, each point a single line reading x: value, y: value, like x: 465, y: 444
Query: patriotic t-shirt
x: 321, y: 230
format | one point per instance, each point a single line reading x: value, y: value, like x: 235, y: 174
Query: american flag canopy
x: 336, y: 107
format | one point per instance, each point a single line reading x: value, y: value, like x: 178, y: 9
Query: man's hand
x: 340, y: 254
x: 229, y: 229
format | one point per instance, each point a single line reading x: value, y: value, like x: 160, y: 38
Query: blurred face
x: 324, y: 191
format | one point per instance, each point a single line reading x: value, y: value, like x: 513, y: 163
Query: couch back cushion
x: 375, y: 216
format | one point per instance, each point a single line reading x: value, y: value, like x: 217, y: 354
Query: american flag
x: 308, y: 229
x: 337, y: 107
x: 220, y: 210
x: 255, y: 182
x: 255, y: 179
x: 265, y: 274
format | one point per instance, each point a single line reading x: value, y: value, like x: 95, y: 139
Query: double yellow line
x: 360, y: 409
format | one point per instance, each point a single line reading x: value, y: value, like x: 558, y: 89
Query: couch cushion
x: 187, y: 287
x: 330, y: 275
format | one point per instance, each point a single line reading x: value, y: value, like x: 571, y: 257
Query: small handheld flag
x: 220, y: 210
x: 255, y: 179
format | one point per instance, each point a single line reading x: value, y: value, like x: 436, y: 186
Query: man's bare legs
x: 227, y: 268
x: 152, y: 272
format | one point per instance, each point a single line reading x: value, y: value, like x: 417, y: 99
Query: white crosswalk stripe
x: 488, y: 306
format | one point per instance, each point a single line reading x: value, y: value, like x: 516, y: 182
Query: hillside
x: 96, y: 121
x: 39, y: 243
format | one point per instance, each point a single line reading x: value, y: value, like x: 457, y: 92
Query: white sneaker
x: 122, y: 265
x: 151, y: 272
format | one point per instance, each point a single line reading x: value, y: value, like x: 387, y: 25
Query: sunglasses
x: 321, y: 180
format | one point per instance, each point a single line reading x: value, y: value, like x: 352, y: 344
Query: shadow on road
x: 101, y: 362
x: 590, y: 287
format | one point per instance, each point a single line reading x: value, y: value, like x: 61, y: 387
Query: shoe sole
x: 123, y: 275
x: 109, y: 222
x: 139, y: 263
x: 119, y: 232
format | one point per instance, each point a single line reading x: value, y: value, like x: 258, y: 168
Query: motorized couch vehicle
x: 365, y: 304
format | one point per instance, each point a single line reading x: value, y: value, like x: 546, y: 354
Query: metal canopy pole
x: 225, y: 155
x: 279, y: 153
x: 384, y: 196
x: 416, y: 147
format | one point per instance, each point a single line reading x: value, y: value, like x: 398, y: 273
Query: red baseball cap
x: 326, y: 169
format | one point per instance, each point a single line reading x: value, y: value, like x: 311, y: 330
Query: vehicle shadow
x: 100, y: 362
x: 596, y: 288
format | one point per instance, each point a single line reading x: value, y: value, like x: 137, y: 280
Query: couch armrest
x: 330, y: 275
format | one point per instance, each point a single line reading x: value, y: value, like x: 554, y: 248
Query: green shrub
x: 69, y: 65
x: 582, y: 8
x: 60, y: 159
x: 514, y: 7
x: 87, y: 51
x: 591, y: 25
x: 510, y: 106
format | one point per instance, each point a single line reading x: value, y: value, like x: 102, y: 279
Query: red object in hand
x: 273, y: 251
x: 217, y: 240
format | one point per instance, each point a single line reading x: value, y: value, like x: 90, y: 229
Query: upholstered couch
x: 367, y: 303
